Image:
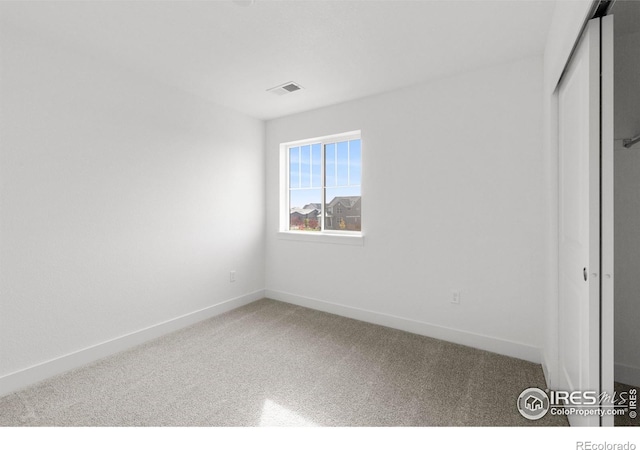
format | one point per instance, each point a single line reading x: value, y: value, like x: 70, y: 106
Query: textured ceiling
x: 337, y: 50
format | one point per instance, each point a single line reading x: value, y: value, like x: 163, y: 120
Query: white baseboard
x: 488, y: 343
x: 545, y: 368
x: 626, y: 374
x: 549, y: 369
x: 34, y: 374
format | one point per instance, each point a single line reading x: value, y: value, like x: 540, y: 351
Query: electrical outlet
x: 455, y: 297
x: 232, y: 276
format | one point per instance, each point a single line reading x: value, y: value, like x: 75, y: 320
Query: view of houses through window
x: 324, y: 185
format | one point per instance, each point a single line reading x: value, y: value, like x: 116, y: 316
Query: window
x: 323, y: 185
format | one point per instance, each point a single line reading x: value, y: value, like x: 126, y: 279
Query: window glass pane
x: 343, y: 209
x: 294, y: 167
x: 355, y: 157
x: 305, y: 166
x: 330, y: 164
x: 343, y: 163
x: 316, y: 163
x: 330, y: 172
x: 305, y: 209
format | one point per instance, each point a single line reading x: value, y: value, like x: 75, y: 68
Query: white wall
x: 452, y: 199
x: 627, y: 209
x: 125, y: 203
x: 566, y: 24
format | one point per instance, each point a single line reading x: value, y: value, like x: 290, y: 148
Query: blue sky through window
x: 343, y: 169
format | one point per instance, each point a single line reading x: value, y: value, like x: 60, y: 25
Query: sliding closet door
x: 579, y: 220
x: 606, y: 223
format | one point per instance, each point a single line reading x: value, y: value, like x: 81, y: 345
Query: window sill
x: 323, y: 238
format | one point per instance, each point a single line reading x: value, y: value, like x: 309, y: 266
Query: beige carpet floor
x: 272, y: 363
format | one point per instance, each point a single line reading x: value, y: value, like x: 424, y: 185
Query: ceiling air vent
x: 286, y: 88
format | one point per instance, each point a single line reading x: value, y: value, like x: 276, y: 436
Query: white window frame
x: 323, y: 236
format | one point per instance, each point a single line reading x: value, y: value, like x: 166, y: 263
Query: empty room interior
x: 319, y: 213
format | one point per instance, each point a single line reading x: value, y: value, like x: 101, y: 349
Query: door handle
x: 584, y: 273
